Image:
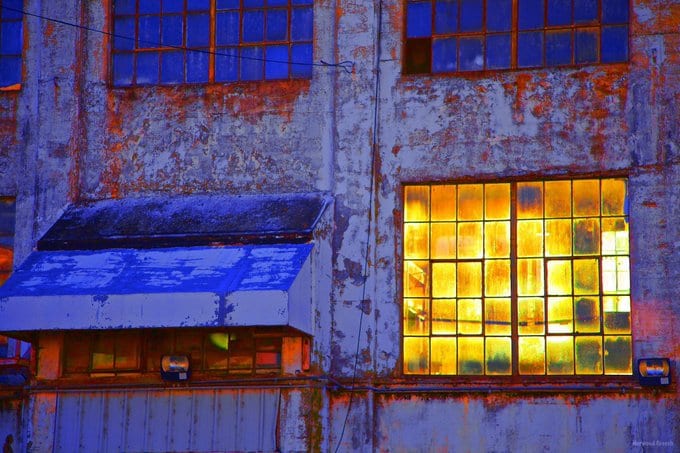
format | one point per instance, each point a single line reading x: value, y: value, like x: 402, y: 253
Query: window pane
x: 470, y: 202
x: 216, y: 356
x: 241, y: 351
x: 251, y: 63
x: 416, y: 279
x: 529, y: 238
x: 558, y: 198
x: 586, y: 236
x: 497, y: 239
x: 124, y: 6
x: 497, y: 317
x: 587, y: 315
x: 198, y: 30
x: 530, y: 277
x: 416, y: 355
x: 301, y: 24
x: 471, y: 54
x: 103, y: 352
x: 471, y: 15
x: 531, y: 351
x: 615, y: 275
x: 149, y: 6
x: 616, y: 314
x: 124, y: 31
x: 76, y: 352
x: 416, y: 240
x: 268, y: 354
x: 498, y: 51
x: 419, y: 20
x: 253, y: 26
x: 172, y: 67
x: 530, y: 14
x: 530, y: 316
x: 613, y: 197
x: 443, y: 356
x: 443, y: 280
x: 443, y: 202
x: 560, y: 355
x: 469, y: 282
x: 558, y: 48
x: 587, y: 46
x: 560, y: 315
x: 149, y: 32
x: 585, y: 11
x: 498, y: 15
x: 470, y: 237
x: 614, y: 44
x: 588, y: 355
x: 172, y: 6
x: 559, y: 277
x: 558, y: 237
x: 618, y: 355
x: 158, y: 344
x: 497, y: 278
x: 416, y: 203
x: 614, y: 11
x: 469, y: 316
x: 443, y: 316
x: 301, y: 61
x: 123, y: 69
x: 559, y: 12
x: 172, y: 33
x: 276, y: 66
x: 197, y: 5
x: 277, y: 25
x: 197, y: 66
x: 498, y: 356
x: 444, y: 55
x: 147, y: 68
x: 586, y: 277
x: 226, y: 28
x: 417, y: 58
x: 497, y: 201
x: 470, y: 355
x: 530, y: 200
x: 443, y: 240
x: 226, y: 65
x: 127, y: 351
x: 190, y: 344
x: 530, y: 49
x: 446, y: 16
x: 586, y: 198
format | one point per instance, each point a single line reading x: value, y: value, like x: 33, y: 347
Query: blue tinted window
x: 585, y: 11
x: 253, y: 26
x: 301, y: 24
x: 277, y: 2
x: 419, y: 20
x: 124, y: 29
x: 471, y: 53
x: 227, y: 4
x: 614, y: 44
x: 149, y: 31
x: 15, y: 11
x: 197, y: 67
x: 147, y: 68
x: 226, y: 28
x: 251, y: 63
x: 530, y: 14
x: 498, y: 51
x: 198, y: 30
x: 499, y: 15
x: 172, y: 32
x: 10, y: 42
x: 124, y: 7
x: 173, y: 6
x: 149, y: 6
x: 198, y: 5
x: 471, y: 15
x: 123, y: 69
x: 172, y: 67
x: 301, y: 60
x: 444, y: 55
x: 446, y: 16
x: 302, y: 2
x: 530, y: 49
x: 277, y: 25
x: 587, y: 43
x: 276, y: 66
x: 10, y: 70
x: 253, y: 3
x: 614, y: 11
x: 559, y: 12
x: 226, y: 65
x: 558, y: 48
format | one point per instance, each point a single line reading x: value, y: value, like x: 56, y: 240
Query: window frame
x: 300, y: 50
x: 14, y: 84
x: 515, y: 378
x: 414, y: 46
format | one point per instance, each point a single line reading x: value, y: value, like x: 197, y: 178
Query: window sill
x: 9, y: 88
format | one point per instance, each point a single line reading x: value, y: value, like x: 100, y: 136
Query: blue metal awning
x: 252, y: 285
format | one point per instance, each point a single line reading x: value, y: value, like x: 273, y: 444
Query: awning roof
x: 249, y: 285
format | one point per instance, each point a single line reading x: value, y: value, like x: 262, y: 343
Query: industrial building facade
x: 334, y: 225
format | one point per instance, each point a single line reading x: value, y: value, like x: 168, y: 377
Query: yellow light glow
x: 586, y: 236
x: 587, y: 315
x: 416, y: 240
x: 618, y: 355
x: 558, y: 237
x: 529, y: 238
x: 416, y: 317
x: 444, y: 351
x: 497, y: 205
x: 498, y: 356
x: 444, y: 240
x: 559, y: 277
x: 530, y: 277
x: 586, y: 277
x: 416, y: 279
x: 470, y: 355
x: 589, y: 355
x: 470, y: 202
x: 613, y: 196
x: 497, y: 278
x: 616, y: 314
x: 416, y: 355
x: 443, y: 203
x: 443, y: 280
x: 531, y: 352
x: 444, y: 316
x: 530, y: 200
x: 531, y: 316
x: 557, y: 199
x: 586, y: 197
x: 416, y: 203
x: 497, y: 317
x: 470, y: 240
x: 497, y: 239
x: 560, y: 315
x: 469, y: 316
x: 469, y: 279
x: 560, y: 355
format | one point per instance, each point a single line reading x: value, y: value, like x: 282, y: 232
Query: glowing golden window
x: 517, y: 278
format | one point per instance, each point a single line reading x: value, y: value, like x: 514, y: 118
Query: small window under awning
x: 207, y: 260
x: 250, y: 285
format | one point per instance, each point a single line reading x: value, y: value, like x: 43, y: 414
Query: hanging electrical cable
x: 346, y: 65
x: 374, y: 151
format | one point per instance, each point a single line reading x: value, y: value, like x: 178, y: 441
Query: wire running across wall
x: 346, y: 65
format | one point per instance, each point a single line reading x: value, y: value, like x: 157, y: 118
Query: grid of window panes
x: 517, y: 278
x: 11, y: 39
x: 450, y: 36
x: 171, y: 42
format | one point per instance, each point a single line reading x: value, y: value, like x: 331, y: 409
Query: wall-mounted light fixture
x: 655, y: 371
x: 175, y: 367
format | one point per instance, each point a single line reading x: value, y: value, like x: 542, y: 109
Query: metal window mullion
x: 514, y: 34
x: 211, y: 41
x: 514, y: 317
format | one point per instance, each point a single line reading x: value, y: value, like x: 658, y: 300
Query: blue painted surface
x: 176, y: 270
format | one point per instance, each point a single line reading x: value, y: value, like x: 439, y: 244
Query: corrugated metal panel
x: 167, y: 420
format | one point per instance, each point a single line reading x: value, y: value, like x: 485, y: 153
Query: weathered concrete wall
x: 67, y: 135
